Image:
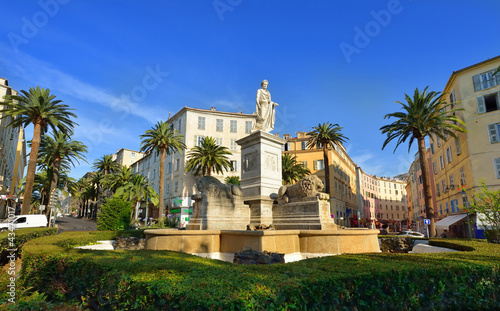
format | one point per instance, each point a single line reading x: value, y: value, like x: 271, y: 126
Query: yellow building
x: 343, y: 203
x: 461, y: 163
x: 127, y: 157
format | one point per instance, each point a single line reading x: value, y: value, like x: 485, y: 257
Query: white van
x: 24, y: 221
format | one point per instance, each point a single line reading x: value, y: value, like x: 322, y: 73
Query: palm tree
x: 41, y: 108
x: 60, y: 149
x: 208, y: 157
x: 163, y: 139
x: 106, y: 164
x: 232, y: 180
x: 423, y: 115
x: 137, y: 190
x: 325, y: 136
x: 117, y: 179
x: 291, y: 170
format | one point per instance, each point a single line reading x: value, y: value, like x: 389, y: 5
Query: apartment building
x: 12, y: 155
x: 383, y: 201
x: 460, y: 164
x: 194, y: 124
x: 343, y: 193
x: 127, y: 157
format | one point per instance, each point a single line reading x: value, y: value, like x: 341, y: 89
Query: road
x: 75, y: 224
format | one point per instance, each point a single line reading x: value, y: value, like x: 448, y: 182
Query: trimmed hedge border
x: 164, y: 280
x: 21, y: 236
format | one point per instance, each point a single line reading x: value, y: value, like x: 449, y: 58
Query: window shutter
x: 481, y: 107
x: 497, y: 76
x: 493, y: 133
x: 452, y: 203
x: 315, y: 164
x: 477, y: 83
x: 195, y: 140
x: 458, y: 149
x: 497, y: 167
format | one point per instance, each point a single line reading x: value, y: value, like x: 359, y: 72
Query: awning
x: 445, y: 223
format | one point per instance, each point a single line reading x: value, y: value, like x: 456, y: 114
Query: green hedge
x: 20, y: 237
x: 164, y: 280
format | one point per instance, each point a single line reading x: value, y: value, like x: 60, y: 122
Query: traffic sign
x: 427, y: 221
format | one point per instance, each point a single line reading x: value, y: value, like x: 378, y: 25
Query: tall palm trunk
x: 209, y: 171
x: 162, y: 181
x: 327, y: 169
x: 429, y: 209
x: 30, y: 174
x: 55, y: 179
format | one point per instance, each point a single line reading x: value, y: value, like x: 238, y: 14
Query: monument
x: 300, y: 213
x: 261, y: 161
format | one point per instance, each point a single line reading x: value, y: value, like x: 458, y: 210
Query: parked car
x: 24, y: 221
x: 412, y: 234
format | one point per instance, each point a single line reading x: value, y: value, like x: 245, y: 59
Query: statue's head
x: 264, y: 82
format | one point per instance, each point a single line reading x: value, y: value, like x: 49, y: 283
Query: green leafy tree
x: 164, y: 140
x: 59, y: 150
x: 425, y: 114
x: 115, y: 215
x: 486, y: 205
x: 325, y: 136
x: 233, y: 180
x: 291, y: 170
x: 137, y: 190
x: 40, y: 108
x: 208, y: 157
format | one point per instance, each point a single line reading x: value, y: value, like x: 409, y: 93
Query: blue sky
x: 124, y: 65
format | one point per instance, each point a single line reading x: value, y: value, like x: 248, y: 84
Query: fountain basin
x: 295, y: 244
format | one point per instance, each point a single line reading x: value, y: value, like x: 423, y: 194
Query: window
x: 458, y: 149
x: 304, y: 164
x: 219, y: 125
x: 199, y: 140
x: 179, y: 126
x: 443, y: 184
x: 248, y: 127
x: 176, y: 186
x: 441, y: 209
x: 319, y: 165
x: 219, y: 141
x: 453, y: 99
x: 452, y: 181
x: 441, y: 162
x: 233, y: 126
x: 234, y: 164
x: 432, y: 148
x: 488, y: 102
x: 233, y: 144
x: 485, y: 81
x: 448, y: 155
x: 177, y: 164
x: 168, y: 186
x: 497, y: 166
x: 169, y: 169
x: 132, y: 154
x: 446, y: 209
x: 286, y: 147
x: 494, y: 131
x: 452, y: 203
x: 434, y: 167
x: 201, y: 123
x: 462, y: 176
x: 303, y: 145
x: 438, y: 141
x: 437, y: 190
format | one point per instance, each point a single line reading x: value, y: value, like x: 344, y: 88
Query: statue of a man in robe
x: 265, y: 109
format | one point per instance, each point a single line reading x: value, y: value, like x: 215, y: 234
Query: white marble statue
x: 265, y: 109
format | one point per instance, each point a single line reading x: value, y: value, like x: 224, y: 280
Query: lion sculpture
x: 309, y: 186
x: 212, y: 187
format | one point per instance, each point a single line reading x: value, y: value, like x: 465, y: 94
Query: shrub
x: 115, y: 215
x: 20, y: 237
x: 165, y: 280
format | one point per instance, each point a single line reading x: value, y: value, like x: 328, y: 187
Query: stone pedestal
x: 310, y: 213
x: 260, y: 173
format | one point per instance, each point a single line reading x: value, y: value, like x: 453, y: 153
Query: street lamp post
x: 464, y: 198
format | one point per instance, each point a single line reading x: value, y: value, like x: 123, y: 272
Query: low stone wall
x: 129, y: 243
x: 250, y: 257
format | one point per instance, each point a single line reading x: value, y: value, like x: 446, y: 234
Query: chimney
x: 212, y: 108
